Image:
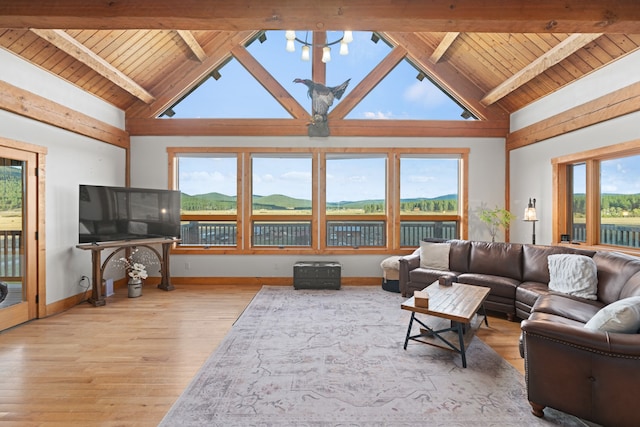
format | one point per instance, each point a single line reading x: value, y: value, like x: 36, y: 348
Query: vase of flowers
x: 137, y: 272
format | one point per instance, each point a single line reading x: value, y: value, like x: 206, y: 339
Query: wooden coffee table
x: 459, y: 304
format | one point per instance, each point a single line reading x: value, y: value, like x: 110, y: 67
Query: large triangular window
x: 230, y: 91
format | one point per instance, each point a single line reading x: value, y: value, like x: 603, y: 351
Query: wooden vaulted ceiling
x: 495, y: 56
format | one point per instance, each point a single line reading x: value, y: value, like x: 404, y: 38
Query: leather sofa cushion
x: 459, y: 255
x: 632, y: 287
x: 500, y: 286
x: 554, y: 318
x: 529, y: 292
x: 573, y: 308
x: 614, y: 269
x: 497, y: 259
x: 535, y: 265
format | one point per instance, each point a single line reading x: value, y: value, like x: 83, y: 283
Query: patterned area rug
x: 336, y: 358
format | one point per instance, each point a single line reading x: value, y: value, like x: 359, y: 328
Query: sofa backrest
x: 535, y: 266
x: 632, y: 287
x: 615, y: 269
x: 496, y: 259
x: 459, y: 255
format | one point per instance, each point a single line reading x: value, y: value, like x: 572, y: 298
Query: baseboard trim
x: 66, y: 303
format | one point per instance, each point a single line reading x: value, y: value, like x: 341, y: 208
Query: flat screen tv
x: 124, y: 213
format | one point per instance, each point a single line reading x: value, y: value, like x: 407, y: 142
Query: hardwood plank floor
x: 125, y: 364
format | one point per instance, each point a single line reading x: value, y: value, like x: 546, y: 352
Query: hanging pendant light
x: 326, y: 54
x: 290, y: 36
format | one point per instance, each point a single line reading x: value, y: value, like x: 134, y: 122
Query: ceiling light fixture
x: 347, y: 37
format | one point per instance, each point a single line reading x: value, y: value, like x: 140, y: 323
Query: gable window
x: 316, y: 200
x: 599, y: 196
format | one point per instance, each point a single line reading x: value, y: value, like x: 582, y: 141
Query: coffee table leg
x: 461, y: 339
x: 406, y: 340
x: 484, y: 312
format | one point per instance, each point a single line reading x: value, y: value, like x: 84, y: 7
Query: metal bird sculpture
x: 321, y: 99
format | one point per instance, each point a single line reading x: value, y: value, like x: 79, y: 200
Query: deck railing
x: 10, y: 254
x: 611, y: 234
x: 339, y: 233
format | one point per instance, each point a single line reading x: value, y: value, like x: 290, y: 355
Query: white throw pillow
x: 434, y: 255
x: 575, y: 275
x: 622, y: 316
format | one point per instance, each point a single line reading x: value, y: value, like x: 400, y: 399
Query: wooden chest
x: 316, y: 275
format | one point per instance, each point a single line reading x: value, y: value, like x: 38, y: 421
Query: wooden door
x: 18, y: 244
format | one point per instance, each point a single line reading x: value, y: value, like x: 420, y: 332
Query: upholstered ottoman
x: 391, y: 273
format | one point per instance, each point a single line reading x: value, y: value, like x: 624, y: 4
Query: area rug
x: 336, y: 358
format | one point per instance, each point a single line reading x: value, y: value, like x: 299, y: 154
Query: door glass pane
x: 11, y: 227
x: 620, y: 202
x: 578, y: 218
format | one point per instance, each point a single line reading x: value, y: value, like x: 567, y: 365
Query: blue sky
x: 617, y: 176
x: 347, y: 179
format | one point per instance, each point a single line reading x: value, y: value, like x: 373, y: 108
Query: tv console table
x: 97, y: 299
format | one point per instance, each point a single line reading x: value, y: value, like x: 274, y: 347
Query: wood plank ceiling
x: 494, y: 56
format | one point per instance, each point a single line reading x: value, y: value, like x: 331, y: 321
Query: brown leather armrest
x: 577, y: 336
x: 406, y: 264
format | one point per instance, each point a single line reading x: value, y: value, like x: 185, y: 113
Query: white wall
x: 530, y: 171
x: 486, y: 188
x: 72, y: 159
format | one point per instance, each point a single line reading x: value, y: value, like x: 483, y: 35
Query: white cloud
x: 421, y: 178
x: 425, y: 94
x: 378, y: 115
x: 357, y: 178
x: 297, y: 176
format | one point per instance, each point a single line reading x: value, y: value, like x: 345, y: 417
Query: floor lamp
x: 530, y: 216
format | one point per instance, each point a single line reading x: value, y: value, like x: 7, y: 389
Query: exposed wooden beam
x: 442, y: 48
x: 550, y: 58
x: 568, y: 16
x: 368, y: 83
x: 449, y: 78
x: 181, y: 80
x: 267, y: 81
x: 28, y: 104
x: 298, y: 127
x: 193, y: 44
x: 615, y: 104
x: 73, y: 47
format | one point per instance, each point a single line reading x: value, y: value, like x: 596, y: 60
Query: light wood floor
x: 125, y: 364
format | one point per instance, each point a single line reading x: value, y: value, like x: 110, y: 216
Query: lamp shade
x: 530, y: 214
x: 291, y: 46
x: 305, y: 53
x: 326, y: 54
x: 347, y: 37
x: 530, y: 211
x: 344, y: 48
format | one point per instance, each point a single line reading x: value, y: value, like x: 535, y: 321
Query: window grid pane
x: 356, y: 234
x: 578, y: 205
x: 620, y: 202
x: 281, y: 233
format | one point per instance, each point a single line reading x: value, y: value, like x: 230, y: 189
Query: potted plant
x: 495, y: 219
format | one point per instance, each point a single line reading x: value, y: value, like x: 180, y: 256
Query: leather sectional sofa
x: 517, y: 274
x: 593, y: 374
